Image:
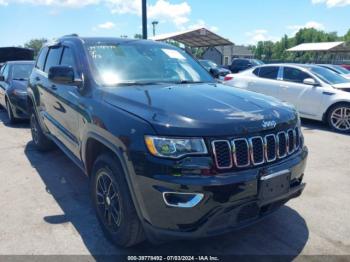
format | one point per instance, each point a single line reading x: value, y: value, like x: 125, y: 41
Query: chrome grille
x: 271, y: 148
x: 282, y: 144
x: 222, y: 154
x: 241, y: 156
x: 257, y: 150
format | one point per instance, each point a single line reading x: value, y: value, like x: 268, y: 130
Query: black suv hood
x: 200, y: 109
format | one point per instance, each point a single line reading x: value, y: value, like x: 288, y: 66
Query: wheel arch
x: 325, y: 114
x: 90, y: 153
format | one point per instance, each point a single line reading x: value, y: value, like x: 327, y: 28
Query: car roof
x: 20, y: 62
x: 109, y: 40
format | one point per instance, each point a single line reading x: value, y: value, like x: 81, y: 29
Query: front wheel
x: 40, y: 140
x: 339, y: 118
x: 113, y: 204
x: 10, y: 115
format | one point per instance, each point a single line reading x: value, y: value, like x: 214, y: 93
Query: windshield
x: 208, y: 64
x: 257, y: 62
x: 22, y: 72
x: 145, y: 62
x: 328, y: 76
x: 341, y: 69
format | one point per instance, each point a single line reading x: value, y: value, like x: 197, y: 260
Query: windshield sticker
x: 173, y: 54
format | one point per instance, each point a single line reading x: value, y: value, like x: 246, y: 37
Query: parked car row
x: 318, y: 92
x: 170, y: 152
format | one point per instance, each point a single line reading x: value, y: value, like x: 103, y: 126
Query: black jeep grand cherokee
x: 169, y: 152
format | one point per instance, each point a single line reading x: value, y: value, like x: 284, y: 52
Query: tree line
x: 277, y: 51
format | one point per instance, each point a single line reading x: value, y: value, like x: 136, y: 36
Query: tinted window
x: 294, y: 75
x: 53, y: 58
x: 270, y: 72
x: 21, y: 72
x: 256, y: 71
x: 68, y: 59
x: 41, y: 59
x: 6, y: 72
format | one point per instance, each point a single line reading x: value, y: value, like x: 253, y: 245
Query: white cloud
x: 201, y: 23
x: 107, y: 25
x: 63, y: 3
x: 311, y: 24
x: 332, y: 3
x: 177, y: 13
x: 260, y: 35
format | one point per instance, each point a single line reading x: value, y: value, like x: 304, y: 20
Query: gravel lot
x: 45, y: 206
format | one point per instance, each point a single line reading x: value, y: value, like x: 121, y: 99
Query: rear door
x: 266, y: 81
x: 306, y: 98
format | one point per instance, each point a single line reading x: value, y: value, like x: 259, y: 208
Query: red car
x: 346, y: 66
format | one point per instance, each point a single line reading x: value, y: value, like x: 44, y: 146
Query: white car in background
x: 318, y: 93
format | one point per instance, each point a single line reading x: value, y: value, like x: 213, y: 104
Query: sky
x: 241, y: 21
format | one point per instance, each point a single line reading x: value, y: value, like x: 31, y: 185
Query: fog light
x: 182, y: 200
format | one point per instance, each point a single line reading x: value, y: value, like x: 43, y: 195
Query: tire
x: 12, y: 119
x: 113, y: 204
x: 339, y: 118
x: 40, y: 140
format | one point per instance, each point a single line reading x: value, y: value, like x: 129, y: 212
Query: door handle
x: 54, y: 87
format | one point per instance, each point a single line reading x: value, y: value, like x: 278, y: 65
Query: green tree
x: 36, y: 44
x: 138, y: 36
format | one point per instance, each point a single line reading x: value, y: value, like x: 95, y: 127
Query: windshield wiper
x: 189, y: 82
x: 20, y: 79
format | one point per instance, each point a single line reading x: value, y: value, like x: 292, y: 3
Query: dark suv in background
x: 169, y: 152
x: 241, y: 64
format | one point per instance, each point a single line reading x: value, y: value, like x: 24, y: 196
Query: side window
x: 294, y: 75
x: 6, y: 72
x: 41, y: 59
x: 256, y: 71
x: 269, y: 72
x: 68, y: 59
x: 53, y: 58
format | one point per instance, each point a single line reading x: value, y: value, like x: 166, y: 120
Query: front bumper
x: 19, y: 106
x: 230, y: 200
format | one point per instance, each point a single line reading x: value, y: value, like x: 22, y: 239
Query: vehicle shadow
x: 5, y: 120
x: 283, y: 233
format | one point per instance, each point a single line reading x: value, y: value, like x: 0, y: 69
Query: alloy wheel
x: 34, y: 129
x: 108, y: 201
x: 340, y: 118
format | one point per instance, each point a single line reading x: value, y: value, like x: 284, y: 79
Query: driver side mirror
x: 214, y: 72
x: 310, y: 81
x: 63, y: 75
x: 2, y: 79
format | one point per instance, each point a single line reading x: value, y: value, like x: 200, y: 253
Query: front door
x: 306, y: 98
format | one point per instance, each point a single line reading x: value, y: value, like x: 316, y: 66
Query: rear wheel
x: 339, y: 118
x: 10, y: 115
x: 113, y: 204
x: 40, y: 140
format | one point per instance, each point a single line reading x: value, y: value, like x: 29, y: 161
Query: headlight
x: 19, y: 92
x: 175, y: 147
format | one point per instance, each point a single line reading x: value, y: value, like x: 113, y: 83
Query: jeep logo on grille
x: 269, y: 124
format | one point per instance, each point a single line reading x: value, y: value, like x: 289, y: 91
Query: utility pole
x: 144, y: 19
x: 154, y: 23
